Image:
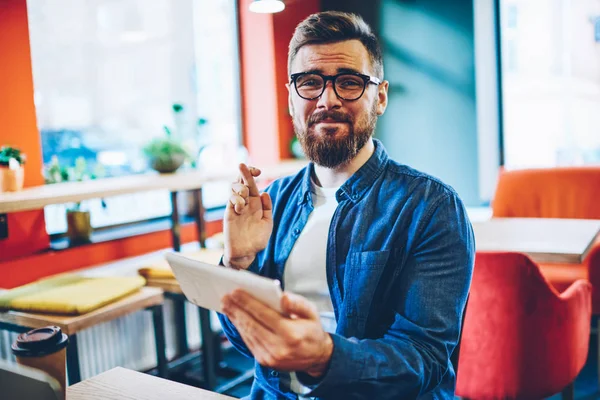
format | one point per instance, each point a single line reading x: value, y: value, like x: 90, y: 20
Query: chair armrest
x: 577, y: 289
x: 576, y: 320
x: 577, y: 300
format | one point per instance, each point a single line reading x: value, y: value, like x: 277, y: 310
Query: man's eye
x: 309, y: 83
x: 349, y: 84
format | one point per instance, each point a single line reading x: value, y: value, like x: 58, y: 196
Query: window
x: 550, y: 82
x: 106, y: 76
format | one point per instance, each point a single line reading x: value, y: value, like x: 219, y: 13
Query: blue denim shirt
x: 400, y: 256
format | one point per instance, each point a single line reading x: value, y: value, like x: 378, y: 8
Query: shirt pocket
x: 361, y: 281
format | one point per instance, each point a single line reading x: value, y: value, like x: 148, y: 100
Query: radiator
x: 125, y: 342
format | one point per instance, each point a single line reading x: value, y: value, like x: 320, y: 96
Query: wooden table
x: 120, y: 383
x: 543, y: 239
x: 147, y: 298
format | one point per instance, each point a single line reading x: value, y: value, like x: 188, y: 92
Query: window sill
x: 61, y: 242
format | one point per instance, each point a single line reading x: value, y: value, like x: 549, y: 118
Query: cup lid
x: 40, y: 341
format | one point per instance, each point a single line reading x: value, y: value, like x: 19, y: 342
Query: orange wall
x: 27, y: 269
x: 264, y: 40
x: 284, y: 24
x: 266, y: 124
x: 27, y: 232
x: 259, y: 96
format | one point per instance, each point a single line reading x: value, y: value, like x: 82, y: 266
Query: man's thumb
x: 267, y: 206
x: 293, y: 304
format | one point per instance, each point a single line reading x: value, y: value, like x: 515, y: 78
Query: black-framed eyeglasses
x: 347, y: 86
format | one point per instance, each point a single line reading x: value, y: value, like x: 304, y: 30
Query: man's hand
x: 294, y: 343
x: 248, y: 221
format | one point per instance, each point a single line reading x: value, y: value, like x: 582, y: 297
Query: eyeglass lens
x: 311, y: 86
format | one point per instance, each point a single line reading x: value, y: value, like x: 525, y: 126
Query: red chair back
x: 520, y: 339
x: 568, y: 192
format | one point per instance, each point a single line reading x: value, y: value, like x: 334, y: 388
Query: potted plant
x: 166, y: 154
x: 79, y: 226
x: 12, y: 174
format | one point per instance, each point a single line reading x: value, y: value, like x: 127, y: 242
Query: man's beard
x: 326, y: 149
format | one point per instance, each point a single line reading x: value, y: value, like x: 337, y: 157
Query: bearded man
x: 375, y: 257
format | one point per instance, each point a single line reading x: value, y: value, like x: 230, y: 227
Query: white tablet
x: 205, y: 284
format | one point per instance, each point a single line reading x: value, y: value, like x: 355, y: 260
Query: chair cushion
x: 71, y: 295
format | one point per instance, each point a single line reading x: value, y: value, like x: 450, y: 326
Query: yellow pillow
x: 155, y: 272
x: 37, y: 286
x: 78, y: 297
x: 160, y: 269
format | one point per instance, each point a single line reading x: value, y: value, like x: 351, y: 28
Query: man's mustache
x: 337, y: 116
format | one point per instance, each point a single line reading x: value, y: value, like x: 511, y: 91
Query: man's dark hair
x: 335, y: 26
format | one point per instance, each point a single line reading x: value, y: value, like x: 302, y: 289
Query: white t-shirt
x: 305, y: 273
x: 305, y: 269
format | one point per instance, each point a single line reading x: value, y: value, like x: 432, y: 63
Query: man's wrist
x: 322, y: 364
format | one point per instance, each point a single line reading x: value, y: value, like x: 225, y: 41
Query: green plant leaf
x: 7, y: 153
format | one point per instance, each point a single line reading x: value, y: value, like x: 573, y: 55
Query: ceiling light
x: 267, y: 6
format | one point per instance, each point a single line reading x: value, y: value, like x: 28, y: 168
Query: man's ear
x: 287, y: 85
x: 382, y: 97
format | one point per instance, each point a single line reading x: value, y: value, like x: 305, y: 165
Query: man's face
x: 331, y: 130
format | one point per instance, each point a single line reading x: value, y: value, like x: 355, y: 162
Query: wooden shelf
x: 37, y: 197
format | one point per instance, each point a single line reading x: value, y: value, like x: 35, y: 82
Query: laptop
x: 18, y: 382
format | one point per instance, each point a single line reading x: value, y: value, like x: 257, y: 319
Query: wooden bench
x: 147, y: 298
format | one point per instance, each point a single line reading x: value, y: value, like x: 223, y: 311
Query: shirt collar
x: 356, y: 186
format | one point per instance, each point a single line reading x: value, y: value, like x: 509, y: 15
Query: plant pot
x: 167, y: 165
x: 11, y: 180
x: 79, y: 227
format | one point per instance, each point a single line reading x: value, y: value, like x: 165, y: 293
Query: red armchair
x: 521, y: 339
x: 569, y: 192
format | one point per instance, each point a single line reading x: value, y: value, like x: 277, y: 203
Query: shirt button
x: 274, y: 374
x: 296, y: 231
x: 355, y: 196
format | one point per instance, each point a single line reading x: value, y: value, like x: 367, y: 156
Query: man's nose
x: 329, y: 99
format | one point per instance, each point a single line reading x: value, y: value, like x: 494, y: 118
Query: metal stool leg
x: 180, y: 327
x: 159, y: 338
x: 199, y: 217
x: 209, y: 360
x: 218, y: 348
x: 175, y: 226
x: 569, y: 392
x: 73, y: 361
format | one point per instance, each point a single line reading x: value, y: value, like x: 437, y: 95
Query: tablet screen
x: 205, y: 284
